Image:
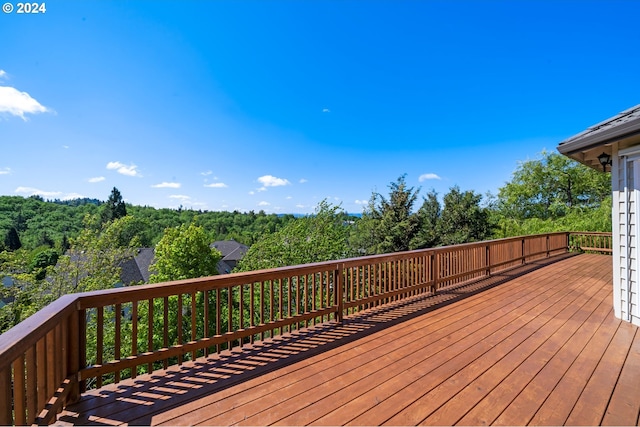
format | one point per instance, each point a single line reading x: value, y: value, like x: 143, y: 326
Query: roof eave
x: 578, y: 144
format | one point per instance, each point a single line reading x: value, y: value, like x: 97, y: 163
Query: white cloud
x: 66, y: 147
x: 216, y: 185
x: 251, y: 193
x: 263, y: 203
x: 17, y: 103
x: 30, y: 191
x: 272, y: 181
x: 427, y: 176
x: 96, y: 179
x: 207, y: 173
x: 5, y: 171
x: 167, y: 185
x: 179, y: 197
x: 361, y: 202
x: 326, y: 110
x: 303, y: 180
x: 3, y: 74
x: 123, y: 169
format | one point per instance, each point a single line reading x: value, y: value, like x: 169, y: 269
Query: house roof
x: 136, y: 269
x: 230, y: 249
x: 588, y: 144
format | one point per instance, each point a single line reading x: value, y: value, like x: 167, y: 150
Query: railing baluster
x: 150, y: 331
x: 19, y: 398
x: 218, y: 317
x: 117, y: 345
x: 32, y: 385
x: 99, y: 342
x: 194, y: 322
x: 6, y: 409
x: 207, y: 332
x: 179, y: 327
x: 165, y: 328
x: 41, y: 376
x: 134, y: 335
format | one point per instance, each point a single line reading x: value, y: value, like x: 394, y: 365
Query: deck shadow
x: 137, y: 401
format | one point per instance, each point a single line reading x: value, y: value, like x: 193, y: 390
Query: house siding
x: 626, y: 193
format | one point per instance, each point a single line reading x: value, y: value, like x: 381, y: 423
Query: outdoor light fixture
x: 604, y: 160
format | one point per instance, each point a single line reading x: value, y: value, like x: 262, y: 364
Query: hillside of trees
x: 50, y: 248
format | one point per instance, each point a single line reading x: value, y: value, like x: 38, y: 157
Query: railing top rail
x: 591, y: 233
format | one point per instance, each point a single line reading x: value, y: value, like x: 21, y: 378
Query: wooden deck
x: 538, y: 345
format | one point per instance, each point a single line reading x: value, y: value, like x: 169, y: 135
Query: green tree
x: 12, y: 240
x: 549, y: 187
x: 463, y: 219
x: 184, y: 252
x: 389, y: 224
x: 550, y: 191
x: 428, y: 217
x: 322, y: 236
x: 115, y: 207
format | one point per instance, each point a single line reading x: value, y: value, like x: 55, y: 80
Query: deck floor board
x: 538, y: 345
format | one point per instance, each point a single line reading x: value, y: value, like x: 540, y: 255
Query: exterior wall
x: 625, y: 176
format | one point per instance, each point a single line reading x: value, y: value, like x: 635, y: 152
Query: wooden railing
x: 86, y: 340
x: 591, y: 242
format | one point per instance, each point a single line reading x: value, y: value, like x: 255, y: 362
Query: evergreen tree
x: 12, y: 240
x: 114, y: 208
x: 463, y: 220
x: 389, y: 224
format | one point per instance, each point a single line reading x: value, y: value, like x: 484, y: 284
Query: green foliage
x: 184, y: 253
x: 550, y: 187
x: 553, y: 193
x: 12, y: 241
x: 463, y: 220
x: 428, y: 215
x: 322, y: 236
x: 388, y: 224
x: 115, y: 207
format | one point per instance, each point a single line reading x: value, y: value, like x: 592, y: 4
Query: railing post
x: 524, y: 259
x: 548, y: 246
x: 488, y: 259
x: 338, y: 295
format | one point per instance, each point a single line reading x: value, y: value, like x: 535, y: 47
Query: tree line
x: 53, y: 248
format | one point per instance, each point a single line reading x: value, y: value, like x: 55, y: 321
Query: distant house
x: 615, y: 143
x: 232, y: 252
x: 137, y: 269
x: 6, y: 282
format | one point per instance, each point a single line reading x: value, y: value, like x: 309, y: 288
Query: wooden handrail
x: 81, y: 341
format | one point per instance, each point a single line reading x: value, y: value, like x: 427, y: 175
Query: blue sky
x: 277, y: 105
